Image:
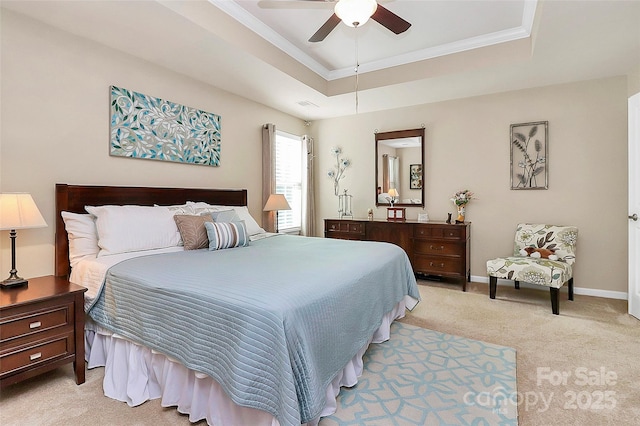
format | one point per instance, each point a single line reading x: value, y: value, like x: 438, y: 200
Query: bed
x: 262, y: 333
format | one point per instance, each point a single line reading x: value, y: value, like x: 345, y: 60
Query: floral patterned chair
x: 550, y: 273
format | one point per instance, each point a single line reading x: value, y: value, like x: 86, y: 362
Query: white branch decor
x: 337, y: 172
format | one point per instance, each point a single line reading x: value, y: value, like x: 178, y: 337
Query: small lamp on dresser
x: 275, y: 203
x: 393, y: 193
x: 17, y: 211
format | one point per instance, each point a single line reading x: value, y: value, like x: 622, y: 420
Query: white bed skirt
x: 135, y: 374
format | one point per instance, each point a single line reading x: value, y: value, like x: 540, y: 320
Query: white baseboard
x: 608, y: 294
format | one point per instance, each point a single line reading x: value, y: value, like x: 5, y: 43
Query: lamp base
x: 13, y: 282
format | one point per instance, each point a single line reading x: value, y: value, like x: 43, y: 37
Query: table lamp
x: 393, y: 193
x: 274, y: 203
x: 17, y: 211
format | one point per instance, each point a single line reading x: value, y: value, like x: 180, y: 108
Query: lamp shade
x: 355, y: 13
x: 393, y: 192
x: 19, y: 211
x: 276, y: 202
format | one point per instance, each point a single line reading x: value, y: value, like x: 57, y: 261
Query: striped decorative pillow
x: 223, y: 235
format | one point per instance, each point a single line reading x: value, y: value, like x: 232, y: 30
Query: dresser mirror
x: 399, y: 168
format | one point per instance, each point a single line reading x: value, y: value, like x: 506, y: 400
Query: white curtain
x: 268, y: 173
x: 308, y: 192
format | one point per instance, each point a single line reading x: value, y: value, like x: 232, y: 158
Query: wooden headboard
x: 73, y: 198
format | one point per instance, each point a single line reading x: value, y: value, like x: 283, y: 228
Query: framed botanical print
x: 529, y: 151
x: 415, y: 174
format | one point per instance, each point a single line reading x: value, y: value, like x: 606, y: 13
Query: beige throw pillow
x: 192, y: 230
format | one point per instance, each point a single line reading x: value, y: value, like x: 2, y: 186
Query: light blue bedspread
x: 272, y: 323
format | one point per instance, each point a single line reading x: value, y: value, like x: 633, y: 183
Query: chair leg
x: 555, y: 292
x: 493, y: 283
x: 517, y: 285
x: 571, y: 288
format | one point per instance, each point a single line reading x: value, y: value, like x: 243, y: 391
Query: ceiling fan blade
x: 325, y: 29
x: 390, y: 20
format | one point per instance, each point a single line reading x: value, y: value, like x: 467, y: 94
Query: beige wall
x: 467, y: 147
x: 54, y: 100
x: 55, y: 127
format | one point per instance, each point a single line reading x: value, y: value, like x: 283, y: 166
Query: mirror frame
x: 398, y: 134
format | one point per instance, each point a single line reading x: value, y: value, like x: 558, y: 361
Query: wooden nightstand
x: 41, y: 328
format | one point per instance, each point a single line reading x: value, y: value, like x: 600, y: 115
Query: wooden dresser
x: 41, y: 328
x: 434, y: 248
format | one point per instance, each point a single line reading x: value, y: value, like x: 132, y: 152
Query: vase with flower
x: 460, y: 199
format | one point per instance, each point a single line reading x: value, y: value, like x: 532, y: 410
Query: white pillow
x: 201, y: 208
x: 83, y: 236
x: 252, y: 226
x: 243, y: 213
x: 182, y: 209
x: 122, y: 229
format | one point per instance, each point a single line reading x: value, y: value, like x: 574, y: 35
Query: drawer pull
x: 35, y: 356
x: 441, y: 265
x: 35, y: 324
x: 432, y: 247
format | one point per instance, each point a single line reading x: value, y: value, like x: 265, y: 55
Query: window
x: 289, y: 163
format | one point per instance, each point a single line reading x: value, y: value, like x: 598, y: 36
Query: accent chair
x: 537, y: 270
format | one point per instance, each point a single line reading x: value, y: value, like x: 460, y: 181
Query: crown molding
x: 240, y: 14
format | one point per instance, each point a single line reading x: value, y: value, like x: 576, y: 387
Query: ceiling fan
x: 355, y: 13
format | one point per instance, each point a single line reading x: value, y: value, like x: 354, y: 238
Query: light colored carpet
x: 591, y: 337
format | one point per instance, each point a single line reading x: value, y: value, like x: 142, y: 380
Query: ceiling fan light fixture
x: 355, y: 13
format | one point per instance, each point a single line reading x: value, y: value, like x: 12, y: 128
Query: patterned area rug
x: 423, y: 377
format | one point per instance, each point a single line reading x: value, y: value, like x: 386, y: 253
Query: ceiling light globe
x: 355, y: 13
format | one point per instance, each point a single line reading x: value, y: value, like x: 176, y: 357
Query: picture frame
x: 396, y: 214
x: 529, y: 144
x: 415, y: 176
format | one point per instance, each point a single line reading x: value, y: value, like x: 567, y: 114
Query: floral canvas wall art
x: 151, y: 128
x: 529, y: 162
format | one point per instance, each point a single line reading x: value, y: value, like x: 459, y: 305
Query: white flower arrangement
x: 337, y: 172
x: 461, y: 198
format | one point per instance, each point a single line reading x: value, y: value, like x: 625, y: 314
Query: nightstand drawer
x: 35, y: 322
x: 30, y: 356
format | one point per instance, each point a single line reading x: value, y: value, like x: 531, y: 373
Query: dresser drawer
x: 447, y: 232
x: 344, y: 226
x: 37, y: 353
x: 344, y: 229
x: 31, y: 323
x: 437, y: 247
x: 356, y: 228
x: 438, y: 265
